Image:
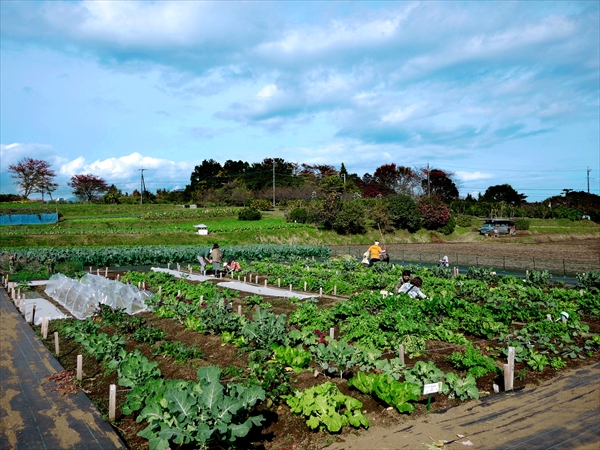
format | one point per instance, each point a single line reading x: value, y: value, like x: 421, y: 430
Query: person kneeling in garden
x: 413, y: 288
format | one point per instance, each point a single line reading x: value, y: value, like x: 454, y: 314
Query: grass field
x: 104, y: 225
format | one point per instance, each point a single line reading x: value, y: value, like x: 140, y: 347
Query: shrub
x: 351, y: 218
x: 522, y: 223
x: 404, y: 213
x: 433, y: 212
x: 249, y: 214
x: 449, y: 227
x: 261, y: 205
x: 299, y: 215
x: 464, y: 221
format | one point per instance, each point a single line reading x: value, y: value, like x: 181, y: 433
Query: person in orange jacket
x: 374, y: 251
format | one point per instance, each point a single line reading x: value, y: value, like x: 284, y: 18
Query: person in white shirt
x: 413, y: 288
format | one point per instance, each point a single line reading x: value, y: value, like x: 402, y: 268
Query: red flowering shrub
x: 434, y: 212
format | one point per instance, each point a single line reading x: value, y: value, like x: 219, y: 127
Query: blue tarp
x: 28, y: 219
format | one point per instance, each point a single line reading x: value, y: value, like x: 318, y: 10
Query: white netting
x: 82, y: 297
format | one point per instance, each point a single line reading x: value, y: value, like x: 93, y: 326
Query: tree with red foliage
x: 395, y: 180
x: 434, y: 212
x: 88, y: 187
x: 439, y: 183
x: 34, y: 176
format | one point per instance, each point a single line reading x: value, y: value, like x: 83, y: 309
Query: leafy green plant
x: 473, y: 361
x: 387, y: 389
x: 199, y: 413
x: 557, y: 363
x: 265, y: 329
x: 394, y: 367
x: 462, y: 388
x: 538, y: 278
x: 148, y: 334
x: 589, y: 280
x: 293, y: 357
x: 336, y: 357
x: 325, y: 407
x: 424, y: 373
x: 481, y: 274
x: 135, y: 369
x: 178, y: 351
x: 537, y: 361
x: 231, y: 338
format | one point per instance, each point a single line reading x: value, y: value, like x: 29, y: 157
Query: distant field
x: 83, y: 225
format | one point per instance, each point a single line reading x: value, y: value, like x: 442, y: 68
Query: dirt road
x: 560, y: 414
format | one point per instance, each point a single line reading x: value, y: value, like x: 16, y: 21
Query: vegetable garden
x: 289, y: 373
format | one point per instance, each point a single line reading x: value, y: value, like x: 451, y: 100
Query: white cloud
x: 268, y: 91
x: 471, y: 176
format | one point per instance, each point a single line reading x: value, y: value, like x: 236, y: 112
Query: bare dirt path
x: 559, y: 414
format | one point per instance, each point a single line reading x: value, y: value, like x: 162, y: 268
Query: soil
x: 543, y: 247
x: 282, y: 430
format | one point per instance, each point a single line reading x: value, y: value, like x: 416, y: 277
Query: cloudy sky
x: 496, y: 92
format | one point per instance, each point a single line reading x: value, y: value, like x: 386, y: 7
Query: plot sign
x: 432, y: 388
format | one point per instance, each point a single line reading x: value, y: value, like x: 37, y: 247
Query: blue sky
x: 495, y: 92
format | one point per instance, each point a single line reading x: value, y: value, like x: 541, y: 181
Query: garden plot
x: 458, y: 336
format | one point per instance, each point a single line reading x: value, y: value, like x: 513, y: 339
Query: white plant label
x: 432, y: 388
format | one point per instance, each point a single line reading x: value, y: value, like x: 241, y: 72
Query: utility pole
x: 428, y: 188
x: 273, y: 183
x: 588, y: 178
x: 142, y: 186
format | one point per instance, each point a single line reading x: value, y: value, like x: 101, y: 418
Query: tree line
x: 392, y: 196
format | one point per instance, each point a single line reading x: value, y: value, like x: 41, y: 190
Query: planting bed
x: 283, y: 430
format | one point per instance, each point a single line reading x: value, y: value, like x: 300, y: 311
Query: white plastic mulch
x: 237, y: 285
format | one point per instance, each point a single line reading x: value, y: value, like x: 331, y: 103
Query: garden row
x: 478, y: 315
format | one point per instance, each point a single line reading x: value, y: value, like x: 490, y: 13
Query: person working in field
x: 231, y: 266
x: 216, y: 258
x: 413, y: 288
x: 404, y: 279
x: 374, y: 251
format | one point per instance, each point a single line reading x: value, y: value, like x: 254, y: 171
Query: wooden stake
x: 169, y: 266
x: 401, y: 353
x: 244, y: 279
x: 508, y: 385
x: 335, y: 290
x: 305, y: 286
x: 79, y: 367
x: 278, y: 282
x: 32, y: 318
x: 178, y: 267
x: 240, y: 310
x: 265, y: 282
x: 160, y: 291
x: 320, y: 292
x: 511, y: 358
x: 118, y: 276
x: 112, y: 401
x: 56, y: 346
x: 332, y: 333
x: 90, y: 269
x: 98, y: 271
x: 45, y: 327
x: 106, y: 272
x: 290, y: 287
x: 239, y: 277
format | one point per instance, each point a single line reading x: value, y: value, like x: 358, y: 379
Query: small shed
x: 202, y: 229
